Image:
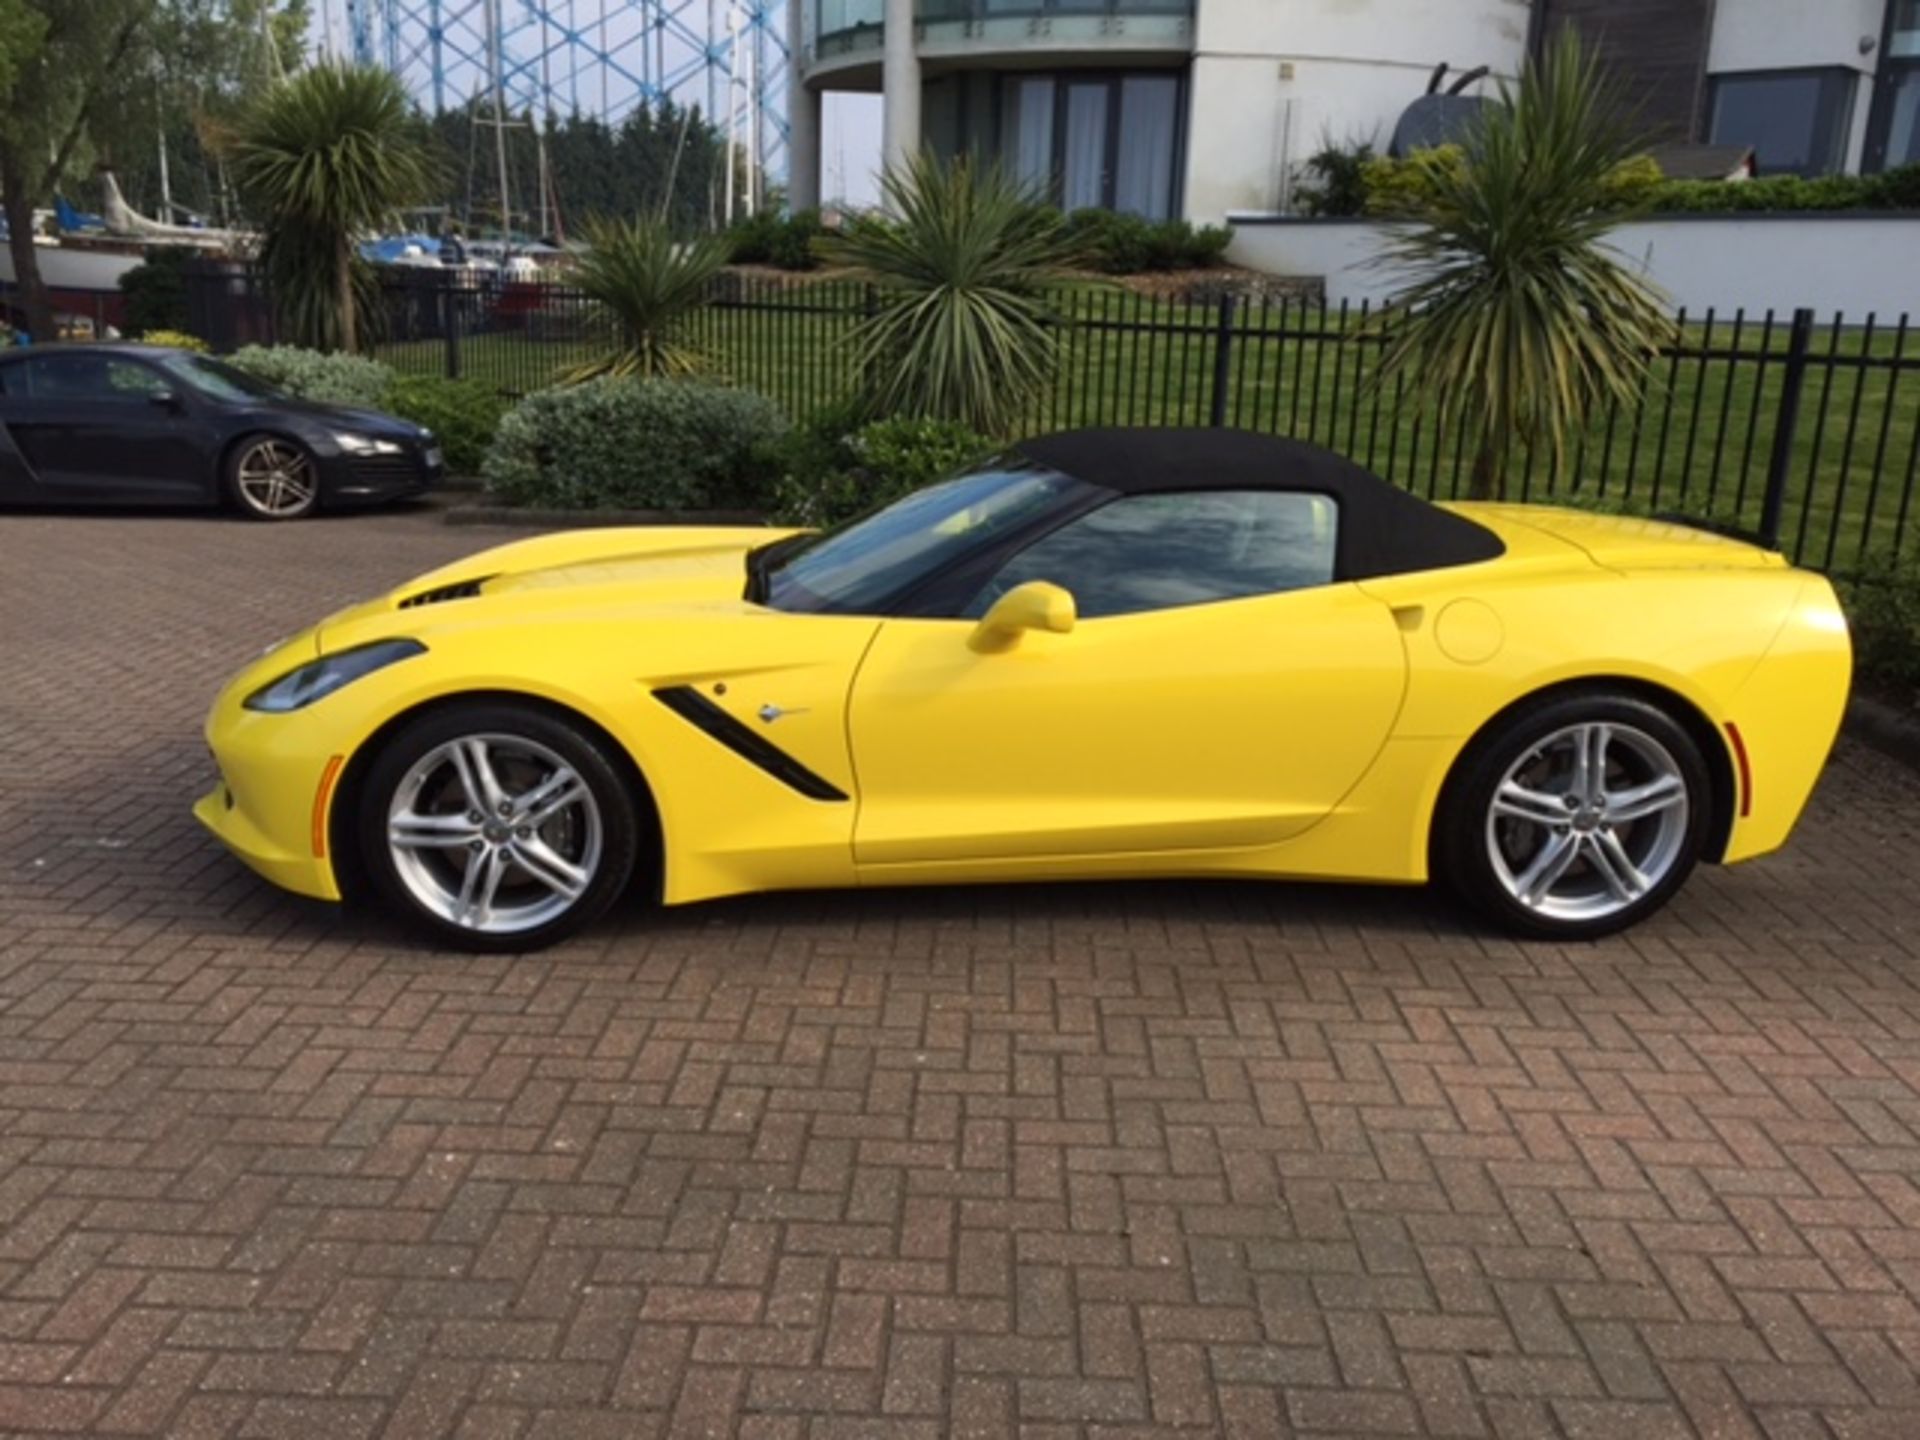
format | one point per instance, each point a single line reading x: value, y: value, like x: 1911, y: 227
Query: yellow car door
x: 1217, y: 689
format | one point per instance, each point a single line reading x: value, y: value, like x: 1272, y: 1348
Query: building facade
x: 1207, y: 108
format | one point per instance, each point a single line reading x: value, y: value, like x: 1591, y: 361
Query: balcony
x: 850, y: 29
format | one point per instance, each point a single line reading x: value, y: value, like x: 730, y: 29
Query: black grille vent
x: 458, y: 590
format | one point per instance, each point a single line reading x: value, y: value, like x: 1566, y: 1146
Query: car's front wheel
x: 499, y: 826
x: 1576, y: 816
x: 272, y: 478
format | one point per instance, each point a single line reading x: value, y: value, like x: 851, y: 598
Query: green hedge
x: 770, y: 238
x: 329, y: 379
x: 1127, y: 245
x: 835, y: 467
x: 630, y: 444
x: 1399, y: 187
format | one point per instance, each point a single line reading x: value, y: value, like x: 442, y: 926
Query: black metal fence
x: 1803, y: 429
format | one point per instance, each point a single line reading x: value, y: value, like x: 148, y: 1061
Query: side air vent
x: 458, y: 590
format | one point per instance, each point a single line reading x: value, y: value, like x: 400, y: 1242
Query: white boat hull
x: 74, y: 267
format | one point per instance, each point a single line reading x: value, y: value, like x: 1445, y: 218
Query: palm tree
x: 321, y: 159
x: 1520, y: 322
x: 962, y: 328
x: 650, y: 285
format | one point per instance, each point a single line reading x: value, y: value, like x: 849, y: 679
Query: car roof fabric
x: 1383, y: 529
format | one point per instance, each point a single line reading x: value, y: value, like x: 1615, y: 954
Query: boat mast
x: 495, y: 44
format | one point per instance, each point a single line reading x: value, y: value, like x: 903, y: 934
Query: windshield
x: 858, y: 569
x: 217, y: 379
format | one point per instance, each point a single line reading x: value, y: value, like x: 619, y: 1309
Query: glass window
x: 1902, y: 145
x: 1795, y: 120
x: 1149, y: 137
x: 1906, y: 29
x: 1083, y: 172
x: 1026, y: 131
x: 860, y: 568
x: 1155, y: 552
x: 218, y: 379
x: 89, y: 377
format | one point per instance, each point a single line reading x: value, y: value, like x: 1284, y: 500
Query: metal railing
x: 1800, y: 428
x: 836, y: 20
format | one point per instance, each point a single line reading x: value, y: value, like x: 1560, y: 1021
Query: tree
x: 962, y: 328
x: 66, y: 59
x: 320, y: 159
x: 1519, y: 321
x: 651, y: 285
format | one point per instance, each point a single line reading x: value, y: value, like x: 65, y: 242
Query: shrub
x: 463, y: 415
x: 626, y: 443
x: 156, y: 291
x: 331, y: 379
x: 769, y: 238
x: 177, y: 340
x: 1405, y: 186
x: 1884, y: 608
x: 832, y: 471
x: 1115, y: 243
x: 1337, y: 181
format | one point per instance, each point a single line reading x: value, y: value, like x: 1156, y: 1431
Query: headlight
x: 364, y: 444
x: 318, y: 679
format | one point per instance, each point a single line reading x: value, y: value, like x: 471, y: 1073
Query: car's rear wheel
x: 272, y: 478
x: 1575, y: 817
x: 499, y: 826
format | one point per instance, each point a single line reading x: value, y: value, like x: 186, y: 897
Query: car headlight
x: 318, y: 679
x: 364, y: 444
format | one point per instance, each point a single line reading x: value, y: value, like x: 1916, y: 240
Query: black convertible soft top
x: 1383, y: 530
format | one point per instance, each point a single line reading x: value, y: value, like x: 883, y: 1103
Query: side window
x: 1155, y: 552
x: 88, y: 377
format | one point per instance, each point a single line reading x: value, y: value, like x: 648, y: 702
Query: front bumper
x: 277, y: 774
x: 374, y: 479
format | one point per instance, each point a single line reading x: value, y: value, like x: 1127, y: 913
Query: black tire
x: 1529, y: 745
x: 515, y: 734
x: 295, y: 496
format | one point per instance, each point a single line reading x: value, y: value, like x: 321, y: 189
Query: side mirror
x: 1036, y: 605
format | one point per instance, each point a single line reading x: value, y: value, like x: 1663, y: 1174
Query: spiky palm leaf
x: 650, y: 285
x: 1520, y: 322
x: 321, y: 159
x: 962, y: 328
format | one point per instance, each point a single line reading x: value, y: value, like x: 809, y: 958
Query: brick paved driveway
x: 1056, y: 1162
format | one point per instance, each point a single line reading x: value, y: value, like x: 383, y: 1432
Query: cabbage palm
x: 650, y: 285
x: 320, y: 159
x: 962, y: 328
x: 1520, y: 322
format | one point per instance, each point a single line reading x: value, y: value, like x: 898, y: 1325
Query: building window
x: 1893, y: 132
x: 1795, y: 120
x: 1086, y: 140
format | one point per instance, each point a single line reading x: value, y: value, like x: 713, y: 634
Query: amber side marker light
x: 322, y: 795
x: 1745, y: 768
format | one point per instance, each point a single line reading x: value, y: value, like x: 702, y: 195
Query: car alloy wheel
x: 274, y: 479
x: 494, y: 833
x: 1588, y: 822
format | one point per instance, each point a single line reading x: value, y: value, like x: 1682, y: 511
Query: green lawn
x: 1700, y: 442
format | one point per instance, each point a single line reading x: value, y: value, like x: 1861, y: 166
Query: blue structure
x: 594, y: 57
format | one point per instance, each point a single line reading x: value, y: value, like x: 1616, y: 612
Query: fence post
x: 1787, y: 422
x: 1222, y: 360
x: 450, y: 313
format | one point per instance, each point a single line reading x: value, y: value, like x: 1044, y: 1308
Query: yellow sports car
x: 1106, y: 653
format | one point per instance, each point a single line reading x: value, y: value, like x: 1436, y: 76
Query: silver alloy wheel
x: 1588, y: 821
x: 275, y: 478
x: 494, y: 833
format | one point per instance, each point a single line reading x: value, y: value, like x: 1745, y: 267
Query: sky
x: 850, y: 124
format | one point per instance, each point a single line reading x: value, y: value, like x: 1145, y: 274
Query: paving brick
x: 1063, y: 1163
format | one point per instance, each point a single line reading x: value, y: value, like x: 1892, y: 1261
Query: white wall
x: 1356, y: 65
x: 1828, y: 263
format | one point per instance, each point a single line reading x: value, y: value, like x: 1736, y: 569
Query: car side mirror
x: 1036, y: 605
